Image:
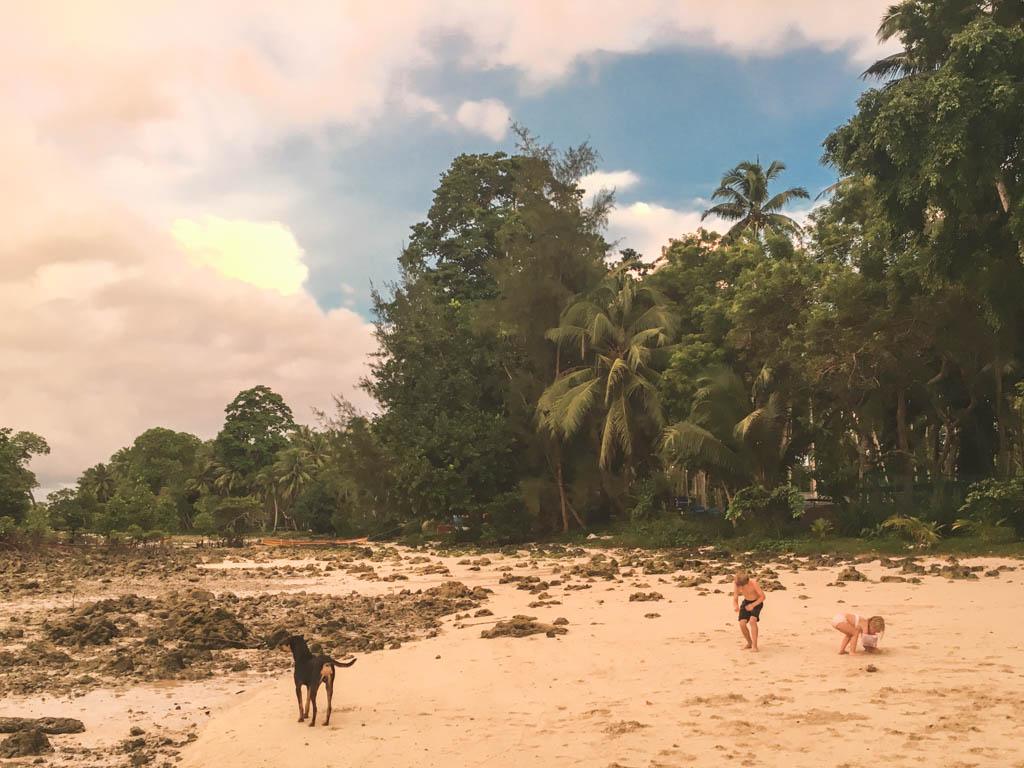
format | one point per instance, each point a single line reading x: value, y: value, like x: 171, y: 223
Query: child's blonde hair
x: 876, y: 625
x: 741, y: 578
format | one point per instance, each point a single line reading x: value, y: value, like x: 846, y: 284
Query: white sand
x: 624, y: 690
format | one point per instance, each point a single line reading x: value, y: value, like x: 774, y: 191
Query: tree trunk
x: 1003, y: 462
x: 903, y: 443
x: 561, y: 495
x: 275, y: 512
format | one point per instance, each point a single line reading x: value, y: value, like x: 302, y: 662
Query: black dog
x: 310, y: 671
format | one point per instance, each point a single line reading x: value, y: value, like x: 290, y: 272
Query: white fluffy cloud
x: 611, y: 180
x: 489, y: 117
x: 261, y: 253
x: 110, y: 328
x: 647, y: 227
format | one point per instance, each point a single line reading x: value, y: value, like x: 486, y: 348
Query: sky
x: 200, y: 196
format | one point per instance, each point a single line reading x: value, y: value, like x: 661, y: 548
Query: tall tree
x: 256, y: 427
x: 617, y: 336
x: 748, y: 201
x: 17, y: 481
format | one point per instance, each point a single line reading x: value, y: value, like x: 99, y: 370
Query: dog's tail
x: 346, y: 663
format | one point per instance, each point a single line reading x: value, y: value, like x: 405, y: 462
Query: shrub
x: 766, y: 508
x: 923, y: 534
x: 821, y: 528
x: 672, y: 531
x: 506, y: 520
x: 992, y: 503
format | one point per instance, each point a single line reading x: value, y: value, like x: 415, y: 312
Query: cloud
x: 111, y: 329
x: 594, y: 182
x: 264, y: 254
x: 647, y: 227
x: 489, y: 117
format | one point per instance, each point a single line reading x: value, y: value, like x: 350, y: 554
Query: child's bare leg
x: 746, y: 632
x: 847, y: 629
x: 753, y: 633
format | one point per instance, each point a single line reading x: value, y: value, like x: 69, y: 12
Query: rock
x: 870, y: 668
x: 645, y: 597
x: 560, y: 621
x: 522, y: 626
x: 136, y: 731
x: 25, y: 744
x: 51, y: 725
x: 893, y: 579
x: 600, y: 566
x: 652, y: 615
x: 994, y: 572
x: 483, y: 612
x: 851, y: 574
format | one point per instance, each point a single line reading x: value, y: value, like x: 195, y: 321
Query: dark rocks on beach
x: 51, y: 725
x: 645, y: 597
x: 599, y: 566
x: 522, y: 626
x: 893, y: 579
x: 851, y: 574
x: 25, y: 744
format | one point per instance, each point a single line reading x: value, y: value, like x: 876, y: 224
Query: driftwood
x: 50, y: 725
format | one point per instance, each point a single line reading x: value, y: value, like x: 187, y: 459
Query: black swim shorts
x: 745, y: 614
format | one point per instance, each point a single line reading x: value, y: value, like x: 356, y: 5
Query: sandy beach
x: 649, y: 672
x: 624, y: 688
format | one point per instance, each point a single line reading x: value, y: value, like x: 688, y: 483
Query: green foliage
x: 17, y: 481
x: 761, y: 506
x: 255, y: 428
x: 747, y: 202
x: 70, y: 510
x: 991, y: 503
x: 822, y: 528
x: 617, y: 335
x: 922, y: 533
x: 35, y: 528
x: 204, y: 524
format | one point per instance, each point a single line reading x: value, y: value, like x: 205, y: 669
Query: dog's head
x: 297, y: 645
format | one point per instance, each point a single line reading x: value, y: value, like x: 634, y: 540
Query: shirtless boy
x: 750, y: 609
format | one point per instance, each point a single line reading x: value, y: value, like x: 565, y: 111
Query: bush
x: 506, y: 521
x: 671, y: 531
x: 204, y: 524
x: 765, y: 509
x: 993, y: 503
x: 650, y: 497
x: 35, y: 528
x: 821, y: 528
x: 922, y: 533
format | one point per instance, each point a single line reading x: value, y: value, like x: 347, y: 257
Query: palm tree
x: 292, y: 472
x: 98, y: 481
x: 205, y: 480
x: 267, y: 489
x: 618, y: 330
x: 745, y: 192
x: 739, y: 434
x: 229, y: 480
x: 315, y: 447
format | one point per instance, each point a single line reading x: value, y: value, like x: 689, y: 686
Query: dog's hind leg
x: 312, y: 700
x: 298, y: 697
x: 328, y: 673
